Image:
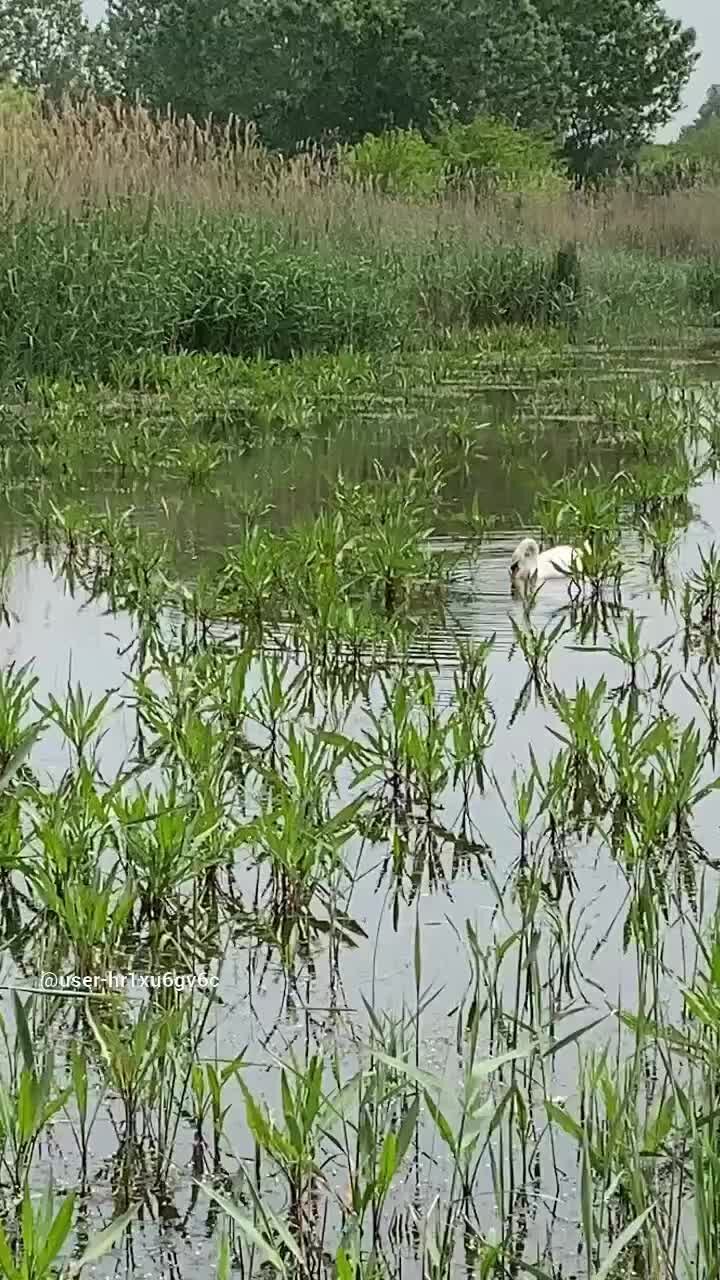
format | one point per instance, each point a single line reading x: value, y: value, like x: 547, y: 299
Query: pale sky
x: 703, y: 15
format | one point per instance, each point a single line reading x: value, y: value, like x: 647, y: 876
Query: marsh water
x: 70, y: 638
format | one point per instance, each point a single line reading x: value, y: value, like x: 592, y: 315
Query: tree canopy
x: 319, y: 69
x: 599, y: 78
x: 628, y: 64
x: 44, y: 44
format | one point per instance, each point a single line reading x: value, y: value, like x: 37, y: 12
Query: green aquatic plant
x: 299, y: 835
x: 472, y: 722
x: 135, y: 1057
x: 425, y: 748
x: 702, y: 592
x: 197, y: 462
x: 44, y: 1234
x: 294, y: 1149
x: 662, y: 530
x: 620, y: 1145
x: 627, y: 648
x: 90, y: 917
x: 166, y: 840
x: 30, y: 1097
x: 653, y: 487
x: 705, y: 697
x: 581, y: 719
x: 18, y: 733
x: 586, y: 513
x: 288, y: 788
x: 536, y: 647
x: 79, y: 720
x: 208, y: 1081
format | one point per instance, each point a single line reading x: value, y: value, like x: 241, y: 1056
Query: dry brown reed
x: 96, y: 155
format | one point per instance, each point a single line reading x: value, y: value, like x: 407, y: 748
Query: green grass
x: 78, y: 295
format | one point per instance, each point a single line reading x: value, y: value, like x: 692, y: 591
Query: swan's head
x: 524, y: 560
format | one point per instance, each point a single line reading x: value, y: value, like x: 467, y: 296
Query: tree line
x: 599, y: 79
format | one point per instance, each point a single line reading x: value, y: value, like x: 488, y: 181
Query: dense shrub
x: 493, y: 154
x: 399, y: 162
x: 485, y: 153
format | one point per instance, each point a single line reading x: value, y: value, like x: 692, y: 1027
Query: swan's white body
x: 529, y: 562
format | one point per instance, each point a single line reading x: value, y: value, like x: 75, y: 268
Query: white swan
x: 528, y: 561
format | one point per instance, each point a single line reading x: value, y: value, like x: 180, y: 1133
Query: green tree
x: 504, y: 62
x: 308, y: 69
x: 164, y: 52
x: 628, y: 63
x: 43, y: 44
x: 601, y: 76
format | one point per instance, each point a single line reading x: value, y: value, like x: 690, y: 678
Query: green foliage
x: 512, y: 61
x: 605, y: 77
x: 705, y: 285
x: 703, y: 143
x: 282, y: 771
x: 692, y: 161
x: 15, y: 101
x: 44, y: 44
x: 628, y: 64
x: 399, y: 162
x: 341, y: 70
x: 675, y: 167
x: 79, y: 296
x: 494, y: 153
x: 484, y: 151
x: 199, y: 284
x: 502, y: 286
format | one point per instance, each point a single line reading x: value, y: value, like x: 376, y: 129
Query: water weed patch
x: 357, y: 911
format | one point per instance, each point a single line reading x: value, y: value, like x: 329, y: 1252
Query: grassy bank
x: 77, y: 294
x: 127, y: 236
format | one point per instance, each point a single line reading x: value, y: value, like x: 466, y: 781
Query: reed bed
x: 79, y: 293
x: 95, y: 155
x: 128, y: 233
